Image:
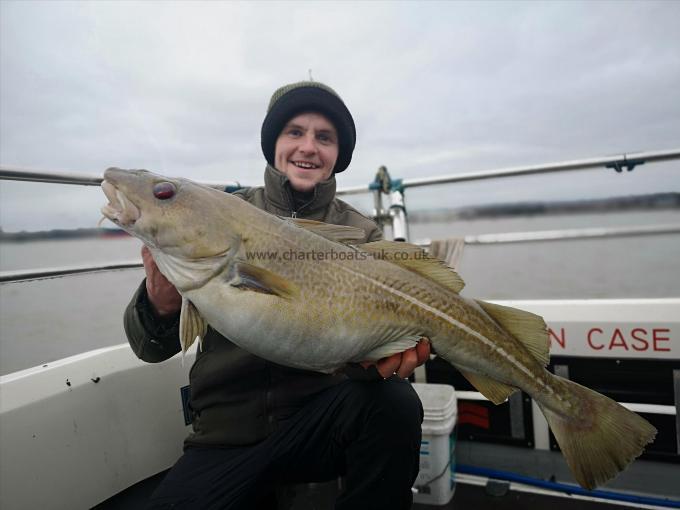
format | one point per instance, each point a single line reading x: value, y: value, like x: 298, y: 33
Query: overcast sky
x: 435, y: 88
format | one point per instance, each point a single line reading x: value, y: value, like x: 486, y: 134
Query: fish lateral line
x: 456, y: 324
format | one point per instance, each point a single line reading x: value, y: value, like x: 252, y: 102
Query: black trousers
x: 367, y: 431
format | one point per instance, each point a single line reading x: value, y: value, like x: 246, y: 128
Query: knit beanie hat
x: 308, y: 96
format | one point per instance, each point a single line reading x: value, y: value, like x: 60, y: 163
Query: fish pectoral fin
x: 415, y: 259
x: 256, y: 279
x: 188, y: 274
x: 495, y: 391
x: 391, y: 348
x: 528, y: 328
x: 191, y: 325
x: 337, y: 233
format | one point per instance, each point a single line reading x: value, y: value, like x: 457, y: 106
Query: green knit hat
x: 308, y: 96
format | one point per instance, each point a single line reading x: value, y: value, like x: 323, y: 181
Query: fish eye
x: 164, y: 190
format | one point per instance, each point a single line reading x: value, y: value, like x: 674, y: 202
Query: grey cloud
x: 435, y: 87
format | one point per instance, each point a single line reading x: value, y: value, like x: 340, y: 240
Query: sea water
x: 45, y: 320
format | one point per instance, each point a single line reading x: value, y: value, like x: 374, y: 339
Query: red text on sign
x: 561, y: 339
x: 637, y: 339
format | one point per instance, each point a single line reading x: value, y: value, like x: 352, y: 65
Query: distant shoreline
x: 77, y: 233
x: 655, y: 201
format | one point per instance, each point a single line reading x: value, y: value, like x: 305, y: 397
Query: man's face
x: 306, y: 150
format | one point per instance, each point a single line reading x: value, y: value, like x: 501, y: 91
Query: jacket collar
x: 279, y: 193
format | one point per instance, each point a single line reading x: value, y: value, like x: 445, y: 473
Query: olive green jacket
x: 238, y: 398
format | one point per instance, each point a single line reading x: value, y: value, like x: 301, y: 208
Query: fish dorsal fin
x: 252, y: 278
x: 336, y: 233
x: 415, y: 259
x: 528, y: 328
x: 495, y: 391
x: 449, y: 251
x: 191, y: 326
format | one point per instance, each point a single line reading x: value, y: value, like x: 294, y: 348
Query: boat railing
x: 638, y: 408
x: 14, y: 173
x: 23, y: 275
x: 480, y: 239
x: 619, y: 162
x: 395, y: 215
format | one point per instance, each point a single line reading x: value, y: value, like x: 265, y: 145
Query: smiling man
x: 306, y: 150
x: 258, y: 426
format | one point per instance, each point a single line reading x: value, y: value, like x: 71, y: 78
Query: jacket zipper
x: 291, y: 203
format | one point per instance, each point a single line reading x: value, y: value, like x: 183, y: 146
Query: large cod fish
x: 298, y: 293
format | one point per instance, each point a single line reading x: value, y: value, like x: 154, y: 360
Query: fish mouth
x: 120, y: 209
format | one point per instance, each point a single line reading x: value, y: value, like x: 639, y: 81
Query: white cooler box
x: 436, y: 480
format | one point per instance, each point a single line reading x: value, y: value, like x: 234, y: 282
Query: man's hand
x: 163, y: 295
x: 403, y: 363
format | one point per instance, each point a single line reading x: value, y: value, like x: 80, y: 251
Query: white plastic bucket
x: 436, y: 480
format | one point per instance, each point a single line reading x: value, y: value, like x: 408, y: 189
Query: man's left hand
x: 403, y: 363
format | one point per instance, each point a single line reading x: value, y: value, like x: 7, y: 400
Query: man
x: 258, y: 425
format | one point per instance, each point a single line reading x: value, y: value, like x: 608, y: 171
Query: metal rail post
x: 676, y: 392
x: 380, y: 185
x: 398, y: 212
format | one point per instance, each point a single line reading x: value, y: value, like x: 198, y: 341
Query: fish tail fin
x: 600, y: 437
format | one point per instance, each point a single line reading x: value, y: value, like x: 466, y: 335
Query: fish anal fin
x: 528, y: 328
x: 252, y: 278
x: 337, y: 233
x: 191, y: 325
x: 495, y: 391
x: 415, y: 259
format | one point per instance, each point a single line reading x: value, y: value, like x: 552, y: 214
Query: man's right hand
x: 162, y: 294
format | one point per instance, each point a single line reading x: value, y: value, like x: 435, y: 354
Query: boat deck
x: 498, y: 496
x: 470, y: 493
